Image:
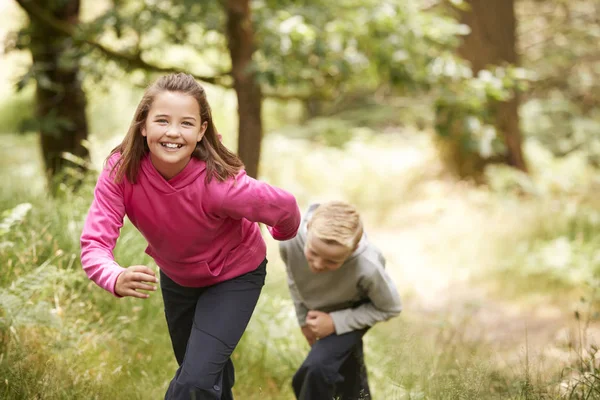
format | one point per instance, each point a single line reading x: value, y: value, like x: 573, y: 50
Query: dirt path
x: 437, y: 246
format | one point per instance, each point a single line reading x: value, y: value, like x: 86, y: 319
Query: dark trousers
x: 334, y: 369
x: 205, y: 325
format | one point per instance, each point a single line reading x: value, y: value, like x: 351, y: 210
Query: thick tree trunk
x: 240, y: 36
x: 60, y: 100
x: 492, y: 41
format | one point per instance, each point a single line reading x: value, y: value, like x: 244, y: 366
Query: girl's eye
x: 162, y: 120
x: 188, y: 123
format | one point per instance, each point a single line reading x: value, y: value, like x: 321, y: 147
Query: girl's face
x: 172, y: 129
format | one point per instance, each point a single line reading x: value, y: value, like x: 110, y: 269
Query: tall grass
x: 61, y: 337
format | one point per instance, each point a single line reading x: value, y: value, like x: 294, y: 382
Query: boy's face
x: 322, y: 256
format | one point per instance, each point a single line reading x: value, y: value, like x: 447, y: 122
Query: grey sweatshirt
x: 357, y: 295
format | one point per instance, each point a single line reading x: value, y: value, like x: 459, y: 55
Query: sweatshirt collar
x: 194, y: 169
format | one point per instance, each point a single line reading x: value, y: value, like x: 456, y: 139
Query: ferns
x: 25, y: 301
x: 12, y: 217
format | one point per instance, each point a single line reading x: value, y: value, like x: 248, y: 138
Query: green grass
x: 77, y: 341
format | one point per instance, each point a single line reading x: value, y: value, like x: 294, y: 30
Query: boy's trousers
x: 334, y: 368
x: 205, y: 325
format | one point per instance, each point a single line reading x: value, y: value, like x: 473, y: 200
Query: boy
x: 340, y: 289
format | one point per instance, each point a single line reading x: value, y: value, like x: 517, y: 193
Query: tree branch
x: 129, y: 60
x: 294, y: 96
x: 132, y: 60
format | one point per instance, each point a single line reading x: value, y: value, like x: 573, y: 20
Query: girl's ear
x: 202, y: 131
x: 143, y: 130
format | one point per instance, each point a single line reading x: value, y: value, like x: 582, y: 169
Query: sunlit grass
x: 432, y: 231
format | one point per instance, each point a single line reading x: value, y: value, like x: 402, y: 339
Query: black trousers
x: 334, y: 369
x: 205, y: 325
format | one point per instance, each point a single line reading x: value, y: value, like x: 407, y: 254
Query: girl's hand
x: 320, y: 324
x: 133, y: 279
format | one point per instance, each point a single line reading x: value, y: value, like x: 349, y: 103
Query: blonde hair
x: 220, y: 162
x: 337, y: 222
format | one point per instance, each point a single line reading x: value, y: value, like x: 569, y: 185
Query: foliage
x: 64, y: 337
x: 556, y: 83
x: 325, y: 49
x: 16, y: 112
x: 104, y: 348
x: 556, y: 41
x: 307, y: 49
x: 558, y: 245
x: 469, y: 101
x: 321, y: 50
x: 11, y: 217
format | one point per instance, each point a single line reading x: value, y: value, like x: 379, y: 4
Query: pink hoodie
x: 199, y: 234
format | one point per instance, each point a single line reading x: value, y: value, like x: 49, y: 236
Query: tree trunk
x: 240, y: 37
x: 492, y: 41
x: 60, y: 100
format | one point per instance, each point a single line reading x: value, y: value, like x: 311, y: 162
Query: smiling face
x: 324, y: 255
x: 172, y: 129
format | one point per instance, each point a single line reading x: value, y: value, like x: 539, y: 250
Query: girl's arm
x: 258, y: 201
x: 100, y: 232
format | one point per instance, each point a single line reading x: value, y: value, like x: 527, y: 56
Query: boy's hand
x: 320, y: 324
x: 133, y: 279
x: 310, y: 337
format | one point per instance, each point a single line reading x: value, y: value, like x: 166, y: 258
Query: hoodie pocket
x: 196, y: 271
x: 238, y: 256
x: 193, y: 272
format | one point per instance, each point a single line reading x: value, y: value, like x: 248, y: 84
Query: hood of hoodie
x: 192, y: 171
x: 303, y: 231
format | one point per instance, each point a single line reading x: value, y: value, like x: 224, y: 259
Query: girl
x: 198, y: 210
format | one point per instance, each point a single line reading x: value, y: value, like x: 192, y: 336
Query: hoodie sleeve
x: 384, y: 303
x: 258, y: 201
x: 301, y: 309
x: 100, y: 232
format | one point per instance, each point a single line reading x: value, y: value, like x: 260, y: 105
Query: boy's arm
x: 301, y: 309
x: 384, y: 304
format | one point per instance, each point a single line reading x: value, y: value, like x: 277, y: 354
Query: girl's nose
x: 172, y: 130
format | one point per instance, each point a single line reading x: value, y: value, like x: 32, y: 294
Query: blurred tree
x: 492, y: 41
x: 240, y: 40
x: 558, y: 40
x: 336, y: 56
x: 555, y: 44
x: 327, y: 54
x: 330, y: 55
x: 60, y: 100
x: 483, y: 126
x: 333, y: 54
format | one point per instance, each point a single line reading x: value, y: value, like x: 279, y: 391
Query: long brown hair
x: 220, y: 162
